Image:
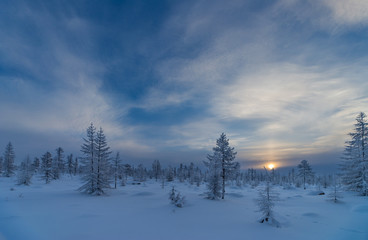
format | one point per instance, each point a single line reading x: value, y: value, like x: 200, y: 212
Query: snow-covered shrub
x: 176, y: 198
x: 266, y: 202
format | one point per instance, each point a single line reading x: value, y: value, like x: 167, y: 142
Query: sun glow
x: 271, y: 166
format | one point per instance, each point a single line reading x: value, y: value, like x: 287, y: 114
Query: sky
x: 283, y: 79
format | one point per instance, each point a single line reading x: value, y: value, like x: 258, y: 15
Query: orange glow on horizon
x: 271, y: 166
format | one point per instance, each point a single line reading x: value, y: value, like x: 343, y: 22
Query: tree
x: 46, y: 167
x: 70, y: 164
x: 175, y: 198
x: 156, y: 169
x: 88, y: 148
x: 25, y: 172
x: 226, y: 155
x: 305, y: 171
x: 103, y: 158
x: 213, y: 177
x: 96, y: 160
x: 58, y: 163
x: 266, y: 202
x: 355, y: 165
x: 117, y: 168
x: 75, y: 166
x: 335, y: 195
x: 9, y: 157
x: 36, y: 164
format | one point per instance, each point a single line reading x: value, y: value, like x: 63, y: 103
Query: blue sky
x: 283, y: 79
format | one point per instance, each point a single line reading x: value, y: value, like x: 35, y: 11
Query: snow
x: 57, y: 211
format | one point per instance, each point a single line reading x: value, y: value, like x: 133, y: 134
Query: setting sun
x: 271, y: 166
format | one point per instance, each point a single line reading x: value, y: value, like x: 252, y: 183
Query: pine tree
x: 75, y: 166
x: 46, y: 167
x: 213, y: 177
x: 96, y: 162
x: 117, y: 168
x: 26, y: 172
x: 225, y: 155
x: 176, y: 198
x: 336, y: 194
x: 9, y: 158
x: 156, y: 169
x: 305, y: 171
x: 102, y: 160
x: 36, y: 164
x: 70, y: 164
x: 88, y: 148
x: 355, y: 165
x: 266, y: 202
x: 58, y: 163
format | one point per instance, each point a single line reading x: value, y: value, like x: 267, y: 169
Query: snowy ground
x: 58, y: 211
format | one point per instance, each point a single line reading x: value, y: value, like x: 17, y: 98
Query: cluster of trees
x: 99, y: 169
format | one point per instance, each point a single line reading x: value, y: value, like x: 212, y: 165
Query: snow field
x: 57, y: 211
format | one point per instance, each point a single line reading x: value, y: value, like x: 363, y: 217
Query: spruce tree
x: 225, y: 155
x: 58, y: 163
x: 70, y: 164
x: 103, y: 158
x: 96, y: 162
x: 88, y: 149
x: 9, y: 157
x: 355, y: 165
x: 117, y: 168
x: 305, y: 171
x: 25, y: 172
x: 46, y: 167
x: 156, y: 169
x: 214, y: 177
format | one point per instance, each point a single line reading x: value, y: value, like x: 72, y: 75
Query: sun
x: 271, y: 166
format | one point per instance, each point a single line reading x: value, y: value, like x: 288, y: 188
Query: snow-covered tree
x: 140, y: 173
x: 176, y: 198
x: 25, y: 172
x: 46, y: 167
x: 88, y: 149
x: 225, y: 155
x: 9, y: 157
x: 36, y: 164
x: 170, y: 174
x: 214, y: 184
x: 96, y: 162
x: 58, y: 163
x: 117, y: 168
x: 335, y: 195
x: 75, y: 166
x: 102, y: 163
x: 355, y: 165
x: 305, y: 171
x: 266, y: 202
x: 70, y: 164
x: 156, y: 169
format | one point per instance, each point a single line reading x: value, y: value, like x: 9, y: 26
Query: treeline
x: 100, y: 170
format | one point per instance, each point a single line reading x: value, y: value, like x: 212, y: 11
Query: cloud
x: 305, y: 101
x: 350, y: 12
x: 57, y: 89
